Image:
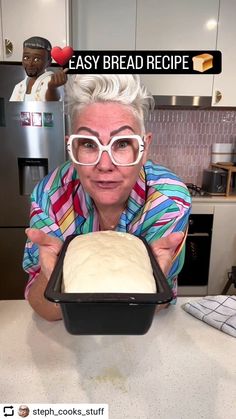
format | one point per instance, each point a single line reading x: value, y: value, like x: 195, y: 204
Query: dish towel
x: 218, y: 311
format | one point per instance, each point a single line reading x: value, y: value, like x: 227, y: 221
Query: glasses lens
x: 85, y: 150
x: 125, y: 150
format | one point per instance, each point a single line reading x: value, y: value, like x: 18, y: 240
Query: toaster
x: 214, y: 181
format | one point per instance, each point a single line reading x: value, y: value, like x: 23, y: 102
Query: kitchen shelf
x: 231, y: 170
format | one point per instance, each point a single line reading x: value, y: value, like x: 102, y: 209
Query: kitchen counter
x: 214, y: 199
x: 181, y: 368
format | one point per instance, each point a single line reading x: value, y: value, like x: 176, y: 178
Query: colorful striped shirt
x: 158, y: 205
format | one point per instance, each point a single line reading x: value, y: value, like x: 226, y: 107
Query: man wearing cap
x: 39, y: 84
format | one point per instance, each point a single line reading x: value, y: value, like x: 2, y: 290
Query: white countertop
x: 215, y: 199
x: 181, y: 369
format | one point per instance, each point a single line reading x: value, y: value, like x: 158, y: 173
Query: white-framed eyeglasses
x: 124, y: 150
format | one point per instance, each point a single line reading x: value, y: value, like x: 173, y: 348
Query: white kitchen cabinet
x: 224, y: 88
x: 1, y: 39
x: 223, y: 247
x: 25, y: 18
x: 103, y: 24
x: 177, y: 25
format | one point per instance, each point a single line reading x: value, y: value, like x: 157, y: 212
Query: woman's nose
x: 105, y: 162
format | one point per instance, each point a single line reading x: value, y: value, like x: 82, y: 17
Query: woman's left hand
x: 164, y: 250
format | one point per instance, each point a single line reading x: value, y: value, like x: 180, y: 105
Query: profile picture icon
x: 23, y: 411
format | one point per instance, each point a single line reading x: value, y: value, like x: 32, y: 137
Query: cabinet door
x: 224, y: 90
x: 103, y: 24
x: 1, y: 39
x: 26, y: 18
x: 177, y: 25
x: 13, y: 278
x: 223, y: 247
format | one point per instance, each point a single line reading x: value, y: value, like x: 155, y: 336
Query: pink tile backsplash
x: 182, y: 139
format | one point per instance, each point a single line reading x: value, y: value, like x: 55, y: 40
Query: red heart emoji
x: 61, y: 56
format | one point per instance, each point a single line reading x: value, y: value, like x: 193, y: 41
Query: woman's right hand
x: 164, y: 249
x: 49, y: 248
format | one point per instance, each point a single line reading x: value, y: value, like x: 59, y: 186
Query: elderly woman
x: 109, y: 185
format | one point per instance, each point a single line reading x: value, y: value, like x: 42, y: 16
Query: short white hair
x: 83, y: 90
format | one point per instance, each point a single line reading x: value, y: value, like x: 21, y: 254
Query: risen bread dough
x: 107, y: 261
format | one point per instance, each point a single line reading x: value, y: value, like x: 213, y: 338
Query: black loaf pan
x: 107, y: 313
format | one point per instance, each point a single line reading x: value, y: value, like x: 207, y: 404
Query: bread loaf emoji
x: 202, y: 62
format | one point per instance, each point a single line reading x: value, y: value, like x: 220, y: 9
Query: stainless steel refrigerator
x: 31, y: 145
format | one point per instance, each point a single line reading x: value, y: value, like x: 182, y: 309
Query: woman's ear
x: 148, y: 141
